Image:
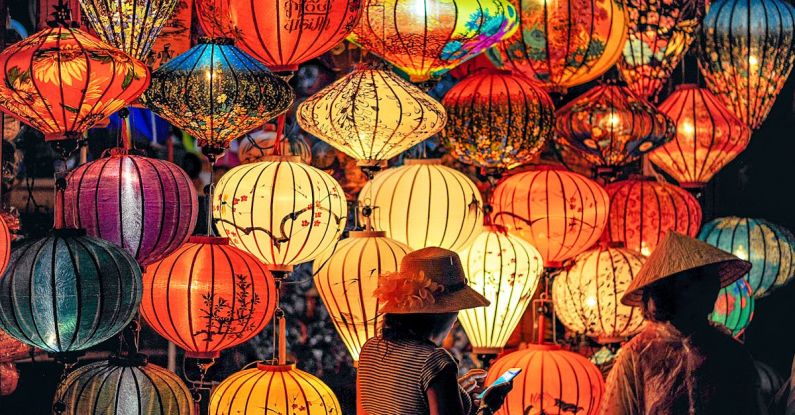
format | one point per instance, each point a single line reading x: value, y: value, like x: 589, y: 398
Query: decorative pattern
x: 734, y: 308
x: 260, y: 145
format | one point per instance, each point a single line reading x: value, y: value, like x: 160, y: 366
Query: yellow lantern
x: 346, y: 279
x: 506, y: 270
x: 371, y: 115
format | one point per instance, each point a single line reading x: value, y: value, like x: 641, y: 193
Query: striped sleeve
x: 436, y: 362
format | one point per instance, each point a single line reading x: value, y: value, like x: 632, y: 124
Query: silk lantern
x: 734, y: 307
x: 5, y: 244
x: 559, y: 212
x: 371, y: 115
x: 497, y: 119
x: 260, y: 145
x: 424, y: 203
x: 708, y: 136
x: 426, y: 38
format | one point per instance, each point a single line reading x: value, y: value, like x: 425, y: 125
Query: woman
x: 681, y: 364
x: 403, y: 371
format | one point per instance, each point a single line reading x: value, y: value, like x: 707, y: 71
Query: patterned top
x: 394, y: 375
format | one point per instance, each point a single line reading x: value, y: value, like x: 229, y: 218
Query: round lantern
x: 121, y: 386
x: 208, y: 296
x: 563, y: 43
x: 259, y: 145
x: 371, y: 115
x: 610, y: 126
x: 282, y: 211
x: 68, y: 292
x: 423, y: 203
x: 147, y: 206
x: 587, y: 295
x: 346, y: 279
x: 708, y: 136
x: 552, y: 381
x: 747, y: 53
x: 506, y: 270
x: 425, y: 39
x: 277, y: 389
x: 5, y: 244
x: 643, y: 210
x: 770, y: 248
x: 216, y: 93
x: 497, y: 120
x: 9, y: 378
x: 559, y: 212
x: 734, y: 307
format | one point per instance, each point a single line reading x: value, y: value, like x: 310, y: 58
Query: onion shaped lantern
x: 497, y: 120
x: 424, y: 203
x: 5, y: 244
x: 734, y: 307
x: 747, y: 53
x: 261, y: 145
x: 610, y: 126
x: 426, y: 38
x: 708, y: 136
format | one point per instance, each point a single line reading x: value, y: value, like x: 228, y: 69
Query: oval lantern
x: 506, y: 270
x: 5, y: 244
x: 208, y: 296
x: 552, y: 381
x: 708, y: 136
x: 346, y: 278
x: 497, y: 120
x: 734, y: 308
x: 282, y: 211
x: 277, y: 389
x: 260, y: 145
x: 587, y: 295
x: 770, y: 249
x: 9, y: 378
x: 559, y: 212
x: 563, y: 43
x: 371, y: 115
x: 424, y: 203
x: 425, y: 39
x: 144, y: 205
x: 642, y: 211
x: 68, y: 292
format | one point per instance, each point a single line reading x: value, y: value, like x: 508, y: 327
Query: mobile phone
x: 505, y: 378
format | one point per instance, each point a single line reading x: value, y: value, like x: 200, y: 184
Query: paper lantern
x: 147, y: 206
x: 62, y: 81
x: 734, y: 307
x: 121, y: 386
x: 282, y: 211
x: 610, y: 126
x: 5, y: 244
x: 371, y: 115
x: 497, y: 119
x: 587, y: 296
x: 747, y: 52
x: 424, y: 203
x: 277, y: 389
x: 563, y: 43
x: 260, y: 145
x: 216, y: 93
x: 770, y: 249
x: 506, y: 270
x: 559, y: 212
x: 552, y: 381
x: 426, y: 38
x: 208, y: 296
x: 708, y: 136
x: 642, y: 211
x: 9, y: 378
x: 68, y: 292
x: 346, y: 278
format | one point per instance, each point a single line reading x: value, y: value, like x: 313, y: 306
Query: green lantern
x: 734, y: 307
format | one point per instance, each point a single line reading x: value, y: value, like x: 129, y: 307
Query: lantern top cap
x: 207, y: 40
x: 367, y: 234
x: 267, y: 367
x: 419, y: 162
x: 541, y: 347
x: 208, y: 240
x: 684, y: 87
x: 68, y: 232
x: 279, y: 159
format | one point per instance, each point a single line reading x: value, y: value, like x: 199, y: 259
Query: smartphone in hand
x: 505, y: 378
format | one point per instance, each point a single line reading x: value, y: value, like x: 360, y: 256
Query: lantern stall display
x: 9, y: 378
x: 734, y: 307
x: 262, y: 144
x: 497, y: 120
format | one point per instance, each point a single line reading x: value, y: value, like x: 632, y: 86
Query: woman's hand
x: 494, y: 398
x: 472, y: 380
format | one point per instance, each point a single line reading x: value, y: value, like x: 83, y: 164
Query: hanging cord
x: 59, y: 406
x: 279, y: 356
x: 543, y: 309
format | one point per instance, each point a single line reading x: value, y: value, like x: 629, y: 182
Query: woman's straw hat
x: 678, y: 253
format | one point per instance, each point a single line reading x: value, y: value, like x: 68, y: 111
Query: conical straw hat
x: 678, y: 253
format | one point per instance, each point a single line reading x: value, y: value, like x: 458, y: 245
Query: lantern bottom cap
x: 202, y: 355
x: 487, y: 350
x: 692, y: 185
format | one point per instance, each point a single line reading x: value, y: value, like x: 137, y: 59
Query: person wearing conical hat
x: 680, y: 364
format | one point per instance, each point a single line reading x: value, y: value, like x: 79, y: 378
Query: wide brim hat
x: 430, y: 280
x: 678, y: 253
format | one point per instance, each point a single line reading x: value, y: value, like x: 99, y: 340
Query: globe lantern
x: 346, y: 278
x: 734, y: 307
x: 260, y: 145
x: 5, y: 244
x: 708, y: 136
x: 643, y: 210
x: 747, y: 54
x: 610, y: 126
x: 587, y: 295
x: 559, y: 212
x: 424, y: 203
x: 506, y: 270
x: 497, y: 120
x: 425, y: 39
x: 371, y: 115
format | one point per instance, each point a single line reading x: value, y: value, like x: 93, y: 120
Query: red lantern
x: 5, y: 245
x: 9, y: 378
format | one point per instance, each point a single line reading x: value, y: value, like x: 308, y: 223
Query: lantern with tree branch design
x: 734, y: 308
x: 259, y: 145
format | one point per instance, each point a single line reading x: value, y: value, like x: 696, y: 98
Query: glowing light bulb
x: 590, y: 301
x: 686, y: 127
x: 752, y: 60
x: 418, y: 7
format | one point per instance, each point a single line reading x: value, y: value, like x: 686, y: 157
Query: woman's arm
x: 444, y: 396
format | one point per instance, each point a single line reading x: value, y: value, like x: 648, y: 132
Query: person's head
x: 431, y: 326
x: 684, y: 299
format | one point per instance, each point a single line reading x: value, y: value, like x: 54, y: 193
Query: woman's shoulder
x: 399, y: 346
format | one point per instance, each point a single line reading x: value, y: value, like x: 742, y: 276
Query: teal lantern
x: 734, y: 307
